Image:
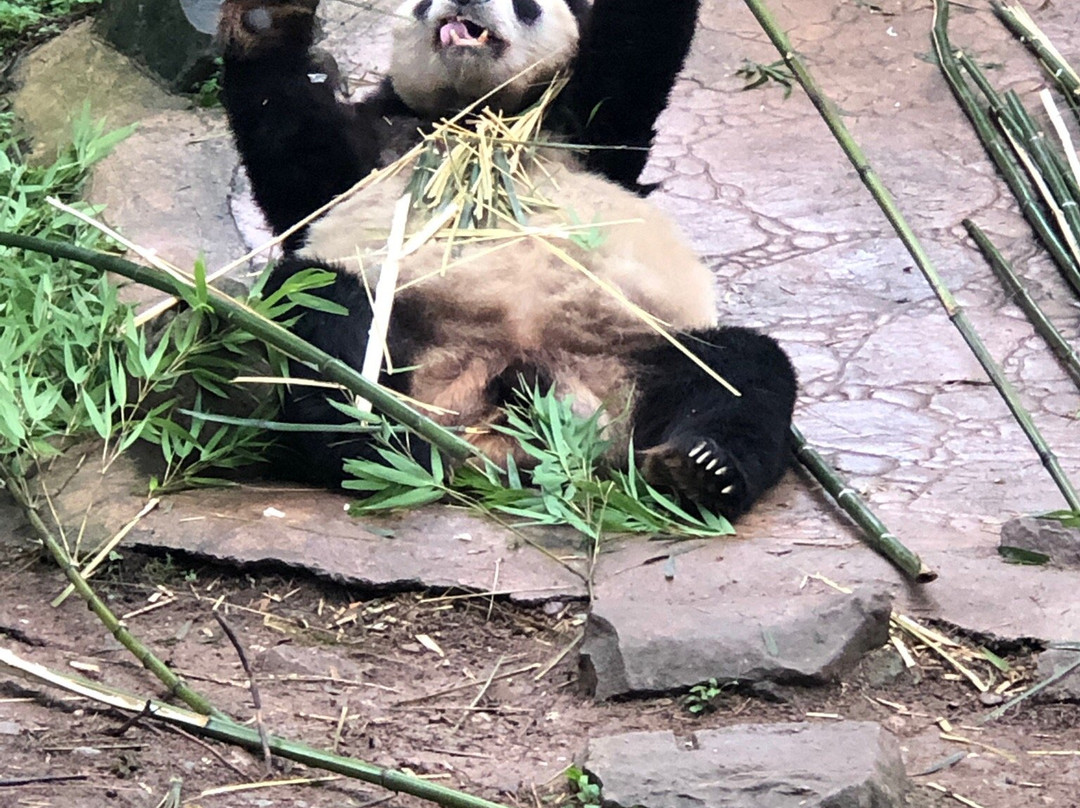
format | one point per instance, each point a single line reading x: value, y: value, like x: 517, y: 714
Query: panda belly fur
x: 512, y: 304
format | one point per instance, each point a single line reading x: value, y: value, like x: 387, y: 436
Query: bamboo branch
x: 163, y: 672
x: 225, y: 729
x: 1023, y: 27
x: 242, y: 316
x: 922, y: 260
x: 1019, y: 295
x: 1008, y: 165
x: 875, y: 533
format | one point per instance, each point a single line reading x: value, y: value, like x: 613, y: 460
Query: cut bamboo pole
x: 922, y: 260
x: 950, y: 61
x: 1061, y: 347
x: 222, y: 728
x: 875, y: 533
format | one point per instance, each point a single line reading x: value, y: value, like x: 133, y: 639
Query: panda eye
x: 528, y: 11
x: 421, y: 9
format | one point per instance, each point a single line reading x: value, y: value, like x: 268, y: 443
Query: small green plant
x: 583, y: 791
x: 701, y: 697
x: 208, y: 92
x: 758, y: 75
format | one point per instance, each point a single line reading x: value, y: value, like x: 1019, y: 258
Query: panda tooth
x: 697, y: 448
x: 727, y: 490
x: 483, y: 38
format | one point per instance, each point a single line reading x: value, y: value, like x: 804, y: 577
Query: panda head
x: 449, y: 53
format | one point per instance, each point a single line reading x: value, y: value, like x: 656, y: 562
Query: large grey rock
x: 845, y: 765
x: 632, y: 646
x: 1066, y: 688
x: 171, y: 37
x: 1047, y: 536
x: 166, y: 187
x: 77, y: 68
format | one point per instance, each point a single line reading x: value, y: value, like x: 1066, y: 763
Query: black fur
x: 301, y: 147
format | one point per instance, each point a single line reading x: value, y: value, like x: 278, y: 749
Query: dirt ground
x: 361, y: 673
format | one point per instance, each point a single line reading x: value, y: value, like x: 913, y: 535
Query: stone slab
x: 429, y: 548
x: 1066, y: 688
x: 644, y: 635
x: 55, y: 80
x: 166, y: 187
x: 1047, y: 536
x: 845, y: 765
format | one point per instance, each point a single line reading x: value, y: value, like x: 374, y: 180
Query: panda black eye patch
x: 528, y: 11
x: 421, y: 9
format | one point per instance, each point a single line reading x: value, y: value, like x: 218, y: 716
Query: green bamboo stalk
x: 240, y: 315
x: 222, y: 728
x: 1019, y: 295
x: 1051, y: 170
x: 999, y: 152
x: 158, y: 668
x: 922, y: 260
x: 875, y: 533
x: 1006, y: 118
x: 1019, y: 22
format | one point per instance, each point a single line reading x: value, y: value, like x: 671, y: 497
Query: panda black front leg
x: 697, y: 438
x: 300, y: 145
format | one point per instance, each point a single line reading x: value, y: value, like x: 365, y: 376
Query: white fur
x: 440, y: 81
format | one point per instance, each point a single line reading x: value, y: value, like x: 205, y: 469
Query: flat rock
x: 428, y: 548
x: 844, y: 765
x: 55, y: 80
x: 166, y: 188
x: 652, y: 638
x: 1047, y: 536
x: 1051, y: 662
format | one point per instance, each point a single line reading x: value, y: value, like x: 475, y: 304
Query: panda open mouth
x: 457, y: 32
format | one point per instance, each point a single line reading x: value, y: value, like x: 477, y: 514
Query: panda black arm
x: 300, y: 146
x: 630, y: 53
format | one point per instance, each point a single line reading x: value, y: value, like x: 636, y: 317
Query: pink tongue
x: 454, y: 26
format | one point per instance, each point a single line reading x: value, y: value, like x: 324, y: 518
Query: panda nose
x: 464, y: 3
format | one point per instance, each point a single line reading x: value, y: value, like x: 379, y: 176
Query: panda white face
x: 450, y: 53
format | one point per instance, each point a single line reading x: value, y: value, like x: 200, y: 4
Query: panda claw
x: 727, y: 490
x: 720, y: 472
x: 703, y: 457
x: 698, y: 448
x: 712, y: 464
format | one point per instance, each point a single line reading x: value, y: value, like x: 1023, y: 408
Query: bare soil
x: 402, y: 680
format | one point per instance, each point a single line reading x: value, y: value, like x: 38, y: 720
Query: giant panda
x: 470, y: 336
